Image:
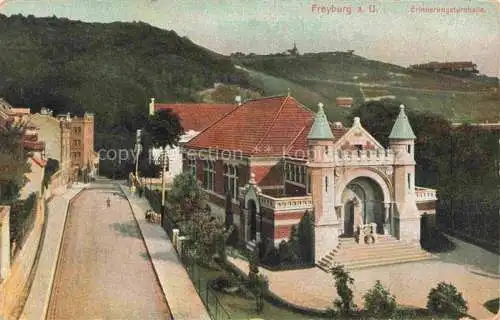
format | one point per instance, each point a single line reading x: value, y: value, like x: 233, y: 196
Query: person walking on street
x: 108, y: 202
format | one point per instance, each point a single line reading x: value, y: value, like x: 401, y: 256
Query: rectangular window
x: 326, y: 183
x: 192, y: 166
x: 231, y: 180
x: 409, y: 181
x: 308, y: 183
x: 409, y: 149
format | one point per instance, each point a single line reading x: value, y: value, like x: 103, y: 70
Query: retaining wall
x: 14, y: 289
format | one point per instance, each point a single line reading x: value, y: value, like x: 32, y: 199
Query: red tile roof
x: 34, y: 145
x: 264, y: 127
x: 197, y: 116
x: 39, y: 162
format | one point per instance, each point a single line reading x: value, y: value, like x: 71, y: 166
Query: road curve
x: 104, y: 271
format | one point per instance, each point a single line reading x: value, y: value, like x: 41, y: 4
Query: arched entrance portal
x: 363, y: 202
x: 252, y: 211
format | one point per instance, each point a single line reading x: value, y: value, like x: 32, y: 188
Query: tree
x: 165, y: 128
x: 306, y: 237
x: 343, y: 280
x: 379, y: 302
x: 258, y: 283
x: 13, y: 161
x: 445, y: 300
x: 186, y: 196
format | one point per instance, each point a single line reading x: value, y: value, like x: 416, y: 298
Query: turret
x: 320, y: 168
x: 320, y: 139
x: 402, y: 139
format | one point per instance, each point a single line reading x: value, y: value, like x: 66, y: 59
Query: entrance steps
x: 387, y: 250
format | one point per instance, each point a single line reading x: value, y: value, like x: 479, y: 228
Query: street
x: 104, y: 271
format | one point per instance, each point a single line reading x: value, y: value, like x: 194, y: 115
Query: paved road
x: 104, y: 271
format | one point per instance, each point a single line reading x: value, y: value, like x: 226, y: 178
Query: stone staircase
x: 387, y: 250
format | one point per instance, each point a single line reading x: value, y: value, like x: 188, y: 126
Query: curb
x: 48, y: 296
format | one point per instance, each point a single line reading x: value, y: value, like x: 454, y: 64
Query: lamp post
x: 164, y: 162
x: 138, y: 148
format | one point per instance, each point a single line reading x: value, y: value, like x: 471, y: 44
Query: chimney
x: 238, y: 100
x: 152, y: 107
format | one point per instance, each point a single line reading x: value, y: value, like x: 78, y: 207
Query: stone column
x: 387, y: 218
x: 339, y: 210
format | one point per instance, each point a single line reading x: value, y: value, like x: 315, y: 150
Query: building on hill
x: 276, y: 159
x: 294, y: 51
x: 459, y: 66
x: 344, y: 102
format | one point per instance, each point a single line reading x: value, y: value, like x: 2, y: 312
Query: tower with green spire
x: 321, y: 176
x: 402, y: 143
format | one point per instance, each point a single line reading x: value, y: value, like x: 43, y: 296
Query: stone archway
x: 250, y: 219
x: 363, y: 202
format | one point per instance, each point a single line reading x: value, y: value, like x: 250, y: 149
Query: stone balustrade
x: 425, y: 194
x: 286, y: 204
x: 363, y: 157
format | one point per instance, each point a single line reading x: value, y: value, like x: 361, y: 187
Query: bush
x: 345, y: 304
x: 445, y: 300
x: 379, y: 302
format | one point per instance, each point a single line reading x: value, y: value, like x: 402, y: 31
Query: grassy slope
x: 109, y: 69
x: 326, y: 77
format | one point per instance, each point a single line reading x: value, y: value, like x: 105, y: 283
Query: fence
x: 475, y: 221
x: 207, y: 295
x: 23, y: 214
x: 188, y: 258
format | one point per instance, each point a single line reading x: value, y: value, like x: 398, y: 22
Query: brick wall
x: 281, y: 232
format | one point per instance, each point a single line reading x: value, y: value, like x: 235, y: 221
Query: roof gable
x: 262, y: 127
x: 357, y: 135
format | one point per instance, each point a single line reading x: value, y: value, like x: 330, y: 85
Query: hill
x: 329, y: 75
x: 109, y: 69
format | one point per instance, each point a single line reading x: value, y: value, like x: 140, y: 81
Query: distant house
x: 344, y: 102
x: 460, y: 66
x: 294, y: 51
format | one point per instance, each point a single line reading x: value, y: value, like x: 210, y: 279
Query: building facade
x: 82, y: 146
x: 276, y: 160
x: 194, y: 118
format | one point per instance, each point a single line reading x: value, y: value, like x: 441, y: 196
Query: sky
x: 395, y: 31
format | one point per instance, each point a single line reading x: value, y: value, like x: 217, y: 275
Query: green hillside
x: 329, y: 75
x: 109, y: 69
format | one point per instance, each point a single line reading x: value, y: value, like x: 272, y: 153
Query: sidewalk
x: 181, y: 295
x: 38, y: 298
